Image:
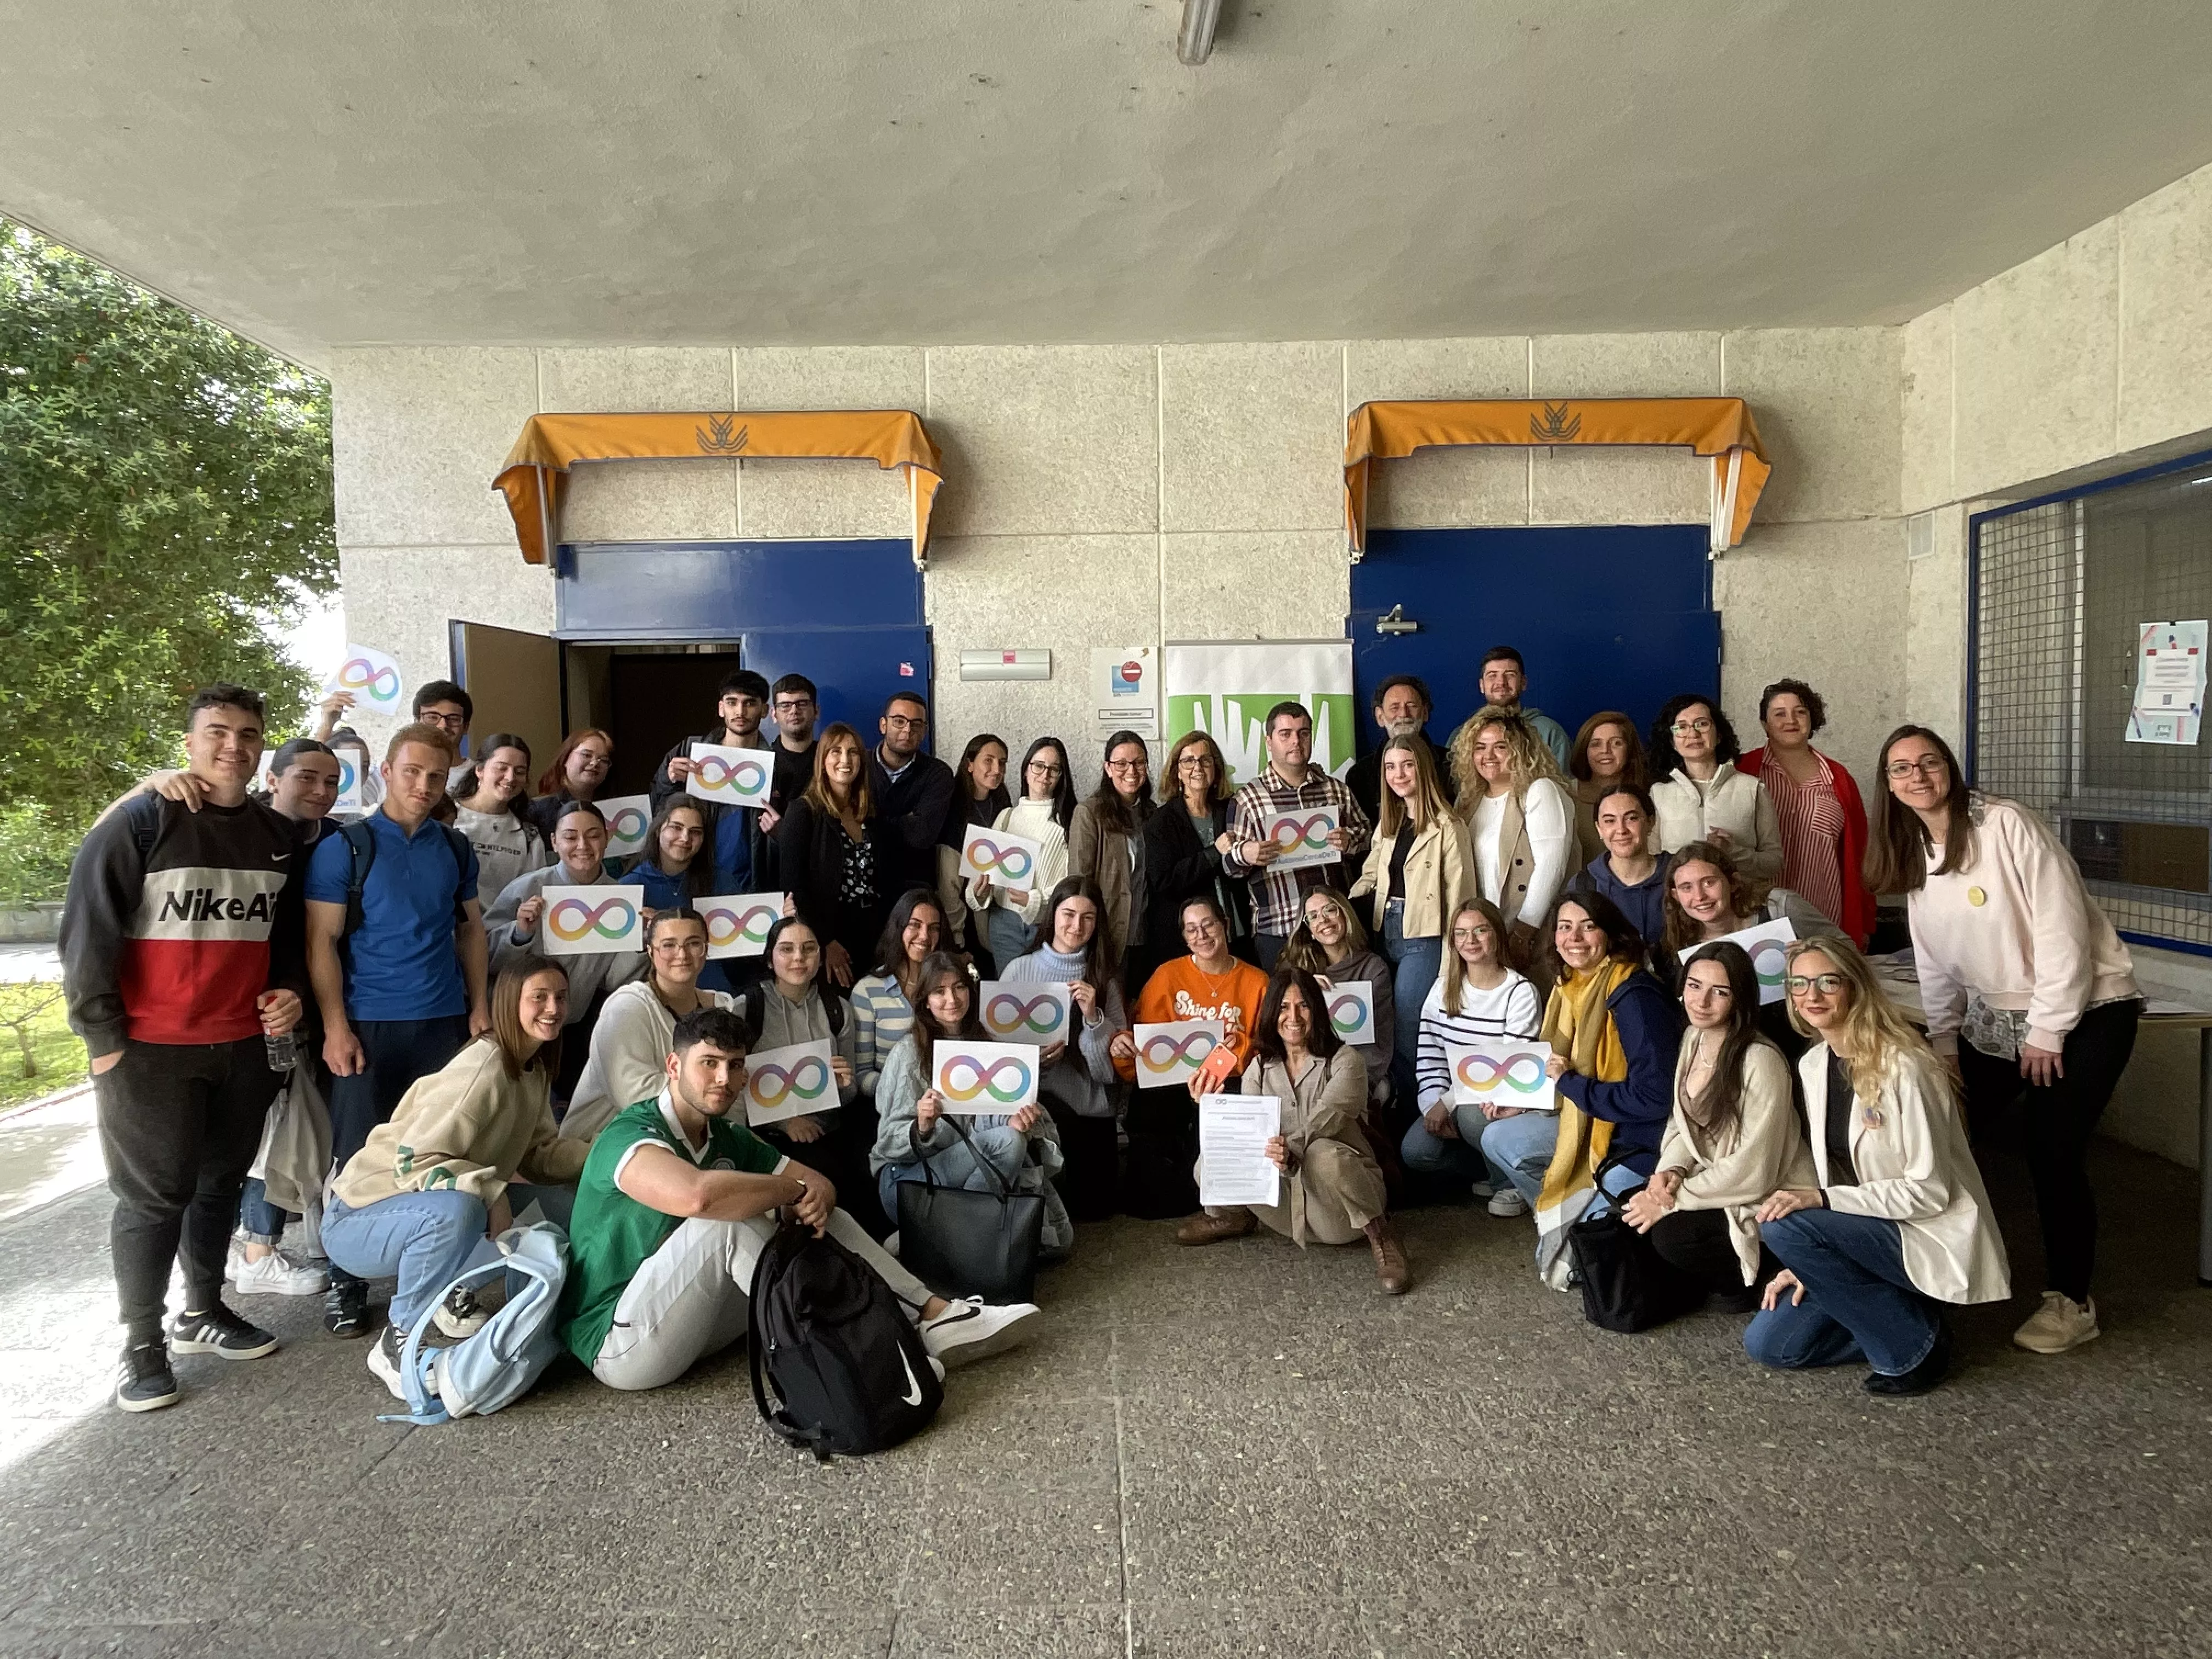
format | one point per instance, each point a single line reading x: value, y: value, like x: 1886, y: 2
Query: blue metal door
x: 846, y: 614
x: 1618, y: 617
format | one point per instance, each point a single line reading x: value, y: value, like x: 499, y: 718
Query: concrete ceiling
x: 866, y: 171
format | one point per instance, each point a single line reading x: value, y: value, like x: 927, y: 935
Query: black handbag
x: 1626, y: 1285
x: 961, y: 1242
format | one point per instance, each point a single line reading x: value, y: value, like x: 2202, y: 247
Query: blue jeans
x: 1521, y: 1148
x: 1007, y: 933
x: 1859, y: 1302
x: 1461, y: 1159
x: 1007, y: 1149
x: 262, y: 1222
x: 1417, y: 962
x: 427, y: 1239
x: 395, y: 1053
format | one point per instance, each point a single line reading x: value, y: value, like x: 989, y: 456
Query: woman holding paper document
x: 1331, y: 946
x: 1731, y: 1139
x: 1896, y: 1224
x: 1477, y: 999
x: 1332, y: 1189
x: 1521, y: 821
x: 636, y: 1029
x: 668, y: 866
x: 979, y: 796
x: 1707, y: 898
x: 2017, y: 958
x: 1042, y: 814
x: 913, y: 1129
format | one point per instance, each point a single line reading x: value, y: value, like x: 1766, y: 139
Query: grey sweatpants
x: 688, y: 1298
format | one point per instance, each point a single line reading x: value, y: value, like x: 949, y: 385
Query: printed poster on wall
x: 1225, y: 689
x: 1125, y: 689
x: 2169, y: 701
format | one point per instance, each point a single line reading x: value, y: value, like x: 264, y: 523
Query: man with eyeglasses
x: 1290, y: 783
x: 1505, y: 677
x: 736, y: 836
x: 796, y: 705
x: 913, y: 793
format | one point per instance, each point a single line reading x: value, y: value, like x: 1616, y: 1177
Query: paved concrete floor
x: 1239, y: 1450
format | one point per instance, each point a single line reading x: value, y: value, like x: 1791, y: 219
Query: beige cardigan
x: 1103, y: 855
x: 468, y: 1127
x: 1439, y: 874
x: 1915, y: 1168
x: 1763, y: 1150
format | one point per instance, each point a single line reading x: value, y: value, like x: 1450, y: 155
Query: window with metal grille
x: 2060, y: 585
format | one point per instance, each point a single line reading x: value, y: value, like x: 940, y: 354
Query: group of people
x: 1806, y: 1159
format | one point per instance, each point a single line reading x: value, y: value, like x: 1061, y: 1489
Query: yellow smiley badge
x: 1977, y: 897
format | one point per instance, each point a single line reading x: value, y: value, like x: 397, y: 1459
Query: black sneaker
x: 1922, y: 1378
x: 460, y: 1315
x: 345, y: 1307
x: 145, y: 1382
x: 221, y: 1332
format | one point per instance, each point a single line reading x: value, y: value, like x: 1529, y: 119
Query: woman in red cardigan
x: 1824, y: 822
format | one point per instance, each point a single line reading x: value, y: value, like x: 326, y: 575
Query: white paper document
x: 581, y: 921
x: 1303, y: 835
x: 1768, y: 947
x: 1503, y: 1072
x: 789, y: 1082
x: 737, y: 923
x: 1023, y: 1011
x: 733, y: 776
x: 1233, y: 1132
x: 1351, y: 1010
x: 374, y: 678
x: 1008, y: 862
x: 985, y: 1080
x: 2169, y: 700
x: 627, y: 819
x: 1173, y: 1050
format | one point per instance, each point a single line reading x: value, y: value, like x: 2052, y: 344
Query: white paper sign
x: 731, y: 777
x: 737, y: 923
x: 372, y: 676
x: 789, y: 1082
x: 582, y: 921
x: 1351, y: 1010
x: 1172, y: 1052
x: 627, y: 819
x: 352, y: 800
x: 1125, y: 689
x: 1303, y: 835
x: 985, y: 1080
x: 2169, y: 700
x: 1006, y: 860
x: 1016, y: 1011
x: 1768, y: 947
x: 1233, y: 1165
x: 1503, y: 1073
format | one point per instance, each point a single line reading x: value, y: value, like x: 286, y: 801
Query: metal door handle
x: 1395, y: 621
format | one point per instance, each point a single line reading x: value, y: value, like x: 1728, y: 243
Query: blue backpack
x: 504, y: 1361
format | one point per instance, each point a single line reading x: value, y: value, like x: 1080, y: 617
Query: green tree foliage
x: 165, y: 502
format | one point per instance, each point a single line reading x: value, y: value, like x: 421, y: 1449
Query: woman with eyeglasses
x: 1731, y: 1139
x: 1824, y: 822
x: 979, y: 795
x: 1042, y: 814
x: 1185, y: 841
x: 2014, y: 957
x: 1106, y: 840
x: 636, y: 1031
x: 1897, y: 1224
x: 577, y: 772
x: 1700, y: 794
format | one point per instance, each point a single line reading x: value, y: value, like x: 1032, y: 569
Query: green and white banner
x: 1226, y: 689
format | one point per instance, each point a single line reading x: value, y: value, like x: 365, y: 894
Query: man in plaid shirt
x: 1290, y: 783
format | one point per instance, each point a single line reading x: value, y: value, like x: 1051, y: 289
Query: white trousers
x: 688, y: 1299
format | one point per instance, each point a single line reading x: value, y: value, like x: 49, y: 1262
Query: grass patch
x: 33, y: 1014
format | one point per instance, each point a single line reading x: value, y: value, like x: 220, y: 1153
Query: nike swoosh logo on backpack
x: 913, y: 1395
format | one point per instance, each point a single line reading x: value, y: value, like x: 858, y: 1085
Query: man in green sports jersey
x: 673, y: 1208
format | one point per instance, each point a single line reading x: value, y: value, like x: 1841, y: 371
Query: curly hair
x: 1531, y: 758
x: 1664, y: 760
x: 1816, y: 706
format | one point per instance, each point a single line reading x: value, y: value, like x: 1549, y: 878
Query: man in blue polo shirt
x: 400, y: 981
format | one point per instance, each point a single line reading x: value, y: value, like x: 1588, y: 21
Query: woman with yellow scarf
x: 1614, y: 1034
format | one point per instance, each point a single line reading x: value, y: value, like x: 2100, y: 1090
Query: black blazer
x: 1177, y: 869
x: 811, y: 848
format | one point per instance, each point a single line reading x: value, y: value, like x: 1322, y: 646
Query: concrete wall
x: 1126, y: 494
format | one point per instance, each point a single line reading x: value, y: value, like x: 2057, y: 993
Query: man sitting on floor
x: 673, y: 1212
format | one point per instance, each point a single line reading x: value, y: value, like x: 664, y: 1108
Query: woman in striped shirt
x: 883, y: 1002
x: 1824, y: 822
x: 1477, y: 999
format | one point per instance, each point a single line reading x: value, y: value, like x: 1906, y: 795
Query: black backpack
x: 846, y: 1366
x: 360, y: 849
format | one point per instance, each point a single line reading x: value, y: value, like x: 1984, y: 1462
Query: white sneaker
x: 970, y: 1328
x: 460, y: 1315
x: 890, y: 1245
x: 273, y: 1275
x: 384, y: 1357
x: 1484, y: 1190
x: 1508, y: 1203
x: 2059, y: 1324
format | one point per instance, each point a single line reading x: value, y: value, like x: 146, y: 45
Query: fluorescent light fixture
x: 1199, y: 19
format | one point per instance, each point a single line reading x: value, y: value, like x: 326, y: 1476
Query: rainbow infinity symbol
x: 1162, y: 1051
x: 1303, y: 835
x: 743, y: 777
x: 979, y: 1078
x: 1344, y: 1013
x: 807, y: 1080
x: 358, y: 673
x: 985, y: 855
x: 1008, y: 1012
x: 725, y: 925
x: 1770, y: 960
x: 571, y: 919
x: 627, y: 824
x: 1523, y: 1073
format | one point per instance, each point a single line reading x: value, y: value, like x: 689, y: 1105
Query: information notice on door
x: 1125, y: 689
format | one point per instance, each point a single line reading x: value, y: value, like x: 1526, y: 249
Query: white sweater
x: 1732, y: 801
x: 1032, y: 818
x: 1549, y: 814
x: 631, y: 1046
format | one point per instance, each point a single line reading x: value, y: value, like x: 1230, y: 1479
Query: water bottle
x: 283, y: 1049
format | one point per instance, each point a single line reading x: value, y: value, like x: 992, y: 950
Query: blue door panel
x: 856, y: 669
x: 1617, y: 616
x: 717, y: 590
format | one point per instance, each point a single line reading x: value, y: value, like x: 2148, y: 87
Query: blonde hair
x: 1529, y: 758
x: 818, y: 793
x: 1455, y: 970
x: 1876, y: 1030
x: 1302, y: 950
x: 1428, y: 796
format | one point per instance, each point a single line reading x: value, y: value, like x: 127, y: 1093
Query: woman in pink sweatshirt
x: 2015, y: 957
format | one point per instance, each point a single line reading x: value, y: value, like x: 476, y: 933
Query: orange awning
x: 1721, y: 428
x: 536, y: 473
